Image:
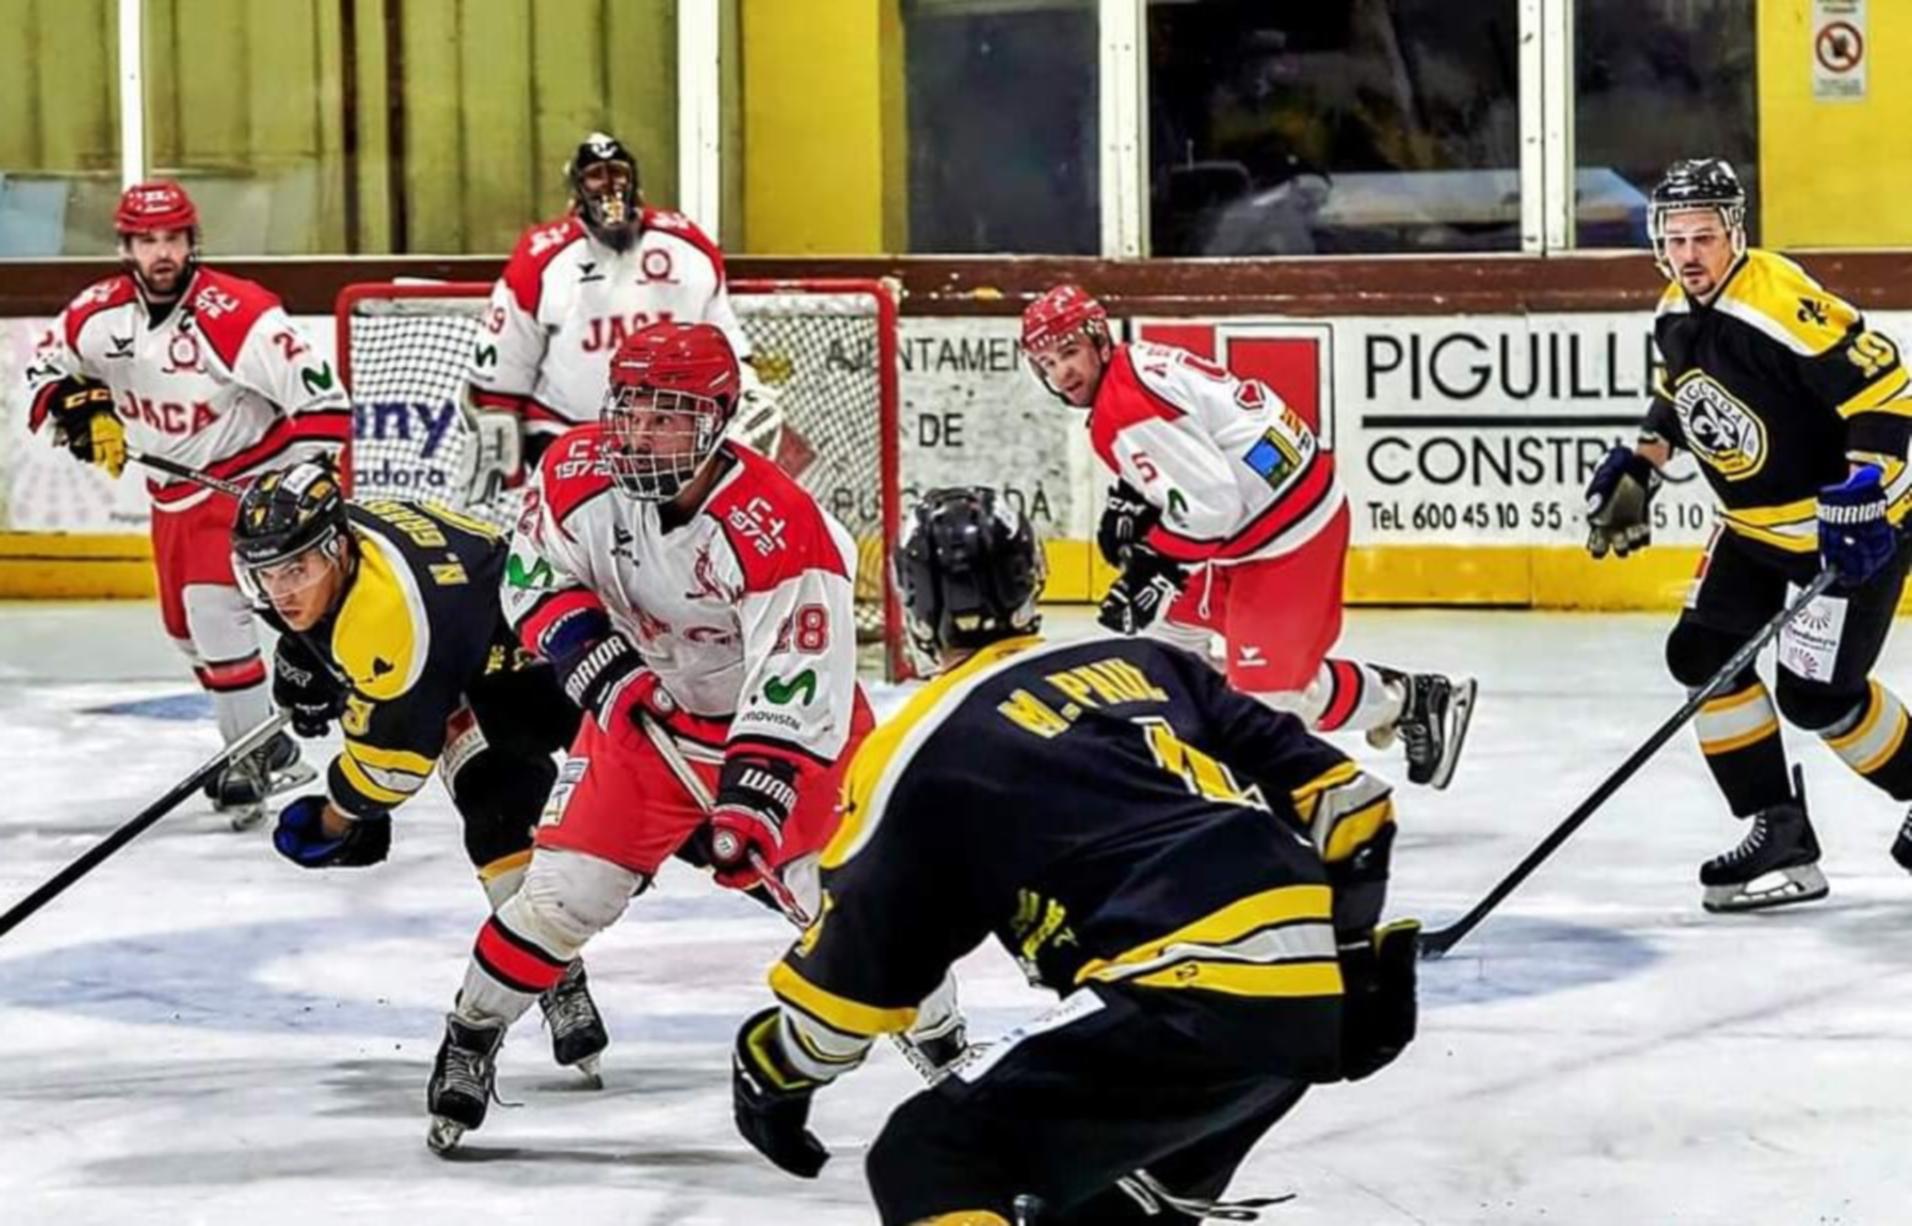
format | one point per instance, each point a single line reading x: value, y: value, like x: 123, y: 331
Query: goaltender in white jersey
x: 572, y: 290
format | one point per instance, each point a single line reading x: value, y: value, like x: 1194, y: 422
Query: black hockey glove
x: 304, y: 688
x: 1142, y: 591
x: 81, y: 410
x: 301, y: 838
x: 771, y: 1101
x: 1126, y: 519
x: 608, y: 679
x: 1617, y: 500
x: 1378, y: 1013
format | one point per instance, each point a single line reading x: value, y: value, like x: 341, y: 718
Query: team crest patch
x: 1727, y: 436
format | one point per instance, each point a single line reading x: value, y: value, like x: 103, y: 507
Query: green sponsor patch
x: 780, y: 692
x: 538, y: 576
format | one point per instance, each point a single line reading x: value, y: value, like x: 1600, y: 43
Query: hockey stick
x: 231, y: 489
x: 1439, y: 941
x: 93, y: 856
x: 674, y: 758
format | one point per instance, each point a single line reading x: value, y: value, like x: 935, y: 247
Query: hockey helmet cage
x: 666, y: 370
x: 968, y: 570
x: 1697, y: 183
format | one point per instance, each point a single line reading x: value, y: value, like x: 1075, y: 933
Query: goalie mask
x: 1697, y: 183
x: 672, y: 392
x: 604, y: 189
x: 969, y: 569
x: 289, y: 535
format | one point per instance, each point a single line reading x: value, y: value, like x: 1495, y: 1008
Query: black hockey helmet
x: 969, y: 569
x: 1697, y: 183
x: 286, y: 513
x: 609, y: 206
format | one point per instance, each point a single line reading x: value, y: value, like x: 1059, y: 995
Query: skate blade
x: 590, y: 1068
x: 295, y: 776
x: 1795, y: 885
x: 245, y: 817
x: 443, y: 1135
x: 1460, y: 713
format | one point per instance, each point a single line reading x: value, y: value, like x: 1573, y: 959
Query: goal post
x: 826, y: 348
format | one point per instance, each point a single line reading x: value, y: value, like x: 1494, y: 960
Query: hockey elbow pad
x: 1380, y: 1011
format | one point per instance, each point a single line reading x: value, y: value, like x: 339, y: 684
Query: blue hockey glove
x: 301, y: 838
x: 1855, y: 539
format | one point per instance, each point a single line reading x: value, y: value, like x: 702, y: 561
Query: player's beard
x: 164, y: 280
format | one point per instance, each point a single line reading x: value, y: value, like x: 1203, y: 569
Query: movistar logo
x: 538, y: 576
x: 317, y: 381
x: 779, y: 691
x: 1178, y: 505
x: 487, y: 355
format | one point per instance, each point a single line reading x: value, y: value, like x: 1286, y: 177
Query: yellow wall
x: 1834, y: 174
x: 59, y: 111
x: 824, y: 141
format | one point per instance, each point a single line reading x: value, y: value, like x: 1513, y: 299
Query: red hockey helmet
x: 672, y: 392
x: 148, y: 207
x: 1063, y: 311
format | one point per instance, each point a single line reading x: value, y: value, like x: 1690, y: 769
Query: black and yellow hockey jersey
x: 1113, y: 814
x: 418, y: 628
x: 1774, y: 386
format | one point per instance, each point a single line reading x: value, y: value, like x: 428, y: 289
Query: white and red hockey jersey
x: 745, y: 613
x: 224, y: 382
x: 565, y: 301
x: 1235, y: 472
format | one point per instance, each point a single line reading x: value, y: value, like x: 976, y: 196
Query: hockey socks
x: 1873, y: 742
x: 1739, y: 734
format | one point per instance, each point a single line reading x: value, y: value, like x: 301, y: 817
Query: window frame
x: 1546, y: 106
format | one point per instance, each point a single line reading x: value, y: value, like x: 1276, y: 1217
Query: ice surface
x: 200, y: 1032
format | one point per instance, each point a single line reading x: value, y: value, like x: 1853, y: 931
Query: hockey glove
x: 609, y: 682
x: 301, y: 837
x: 1378, y: 1012
x: 304, y: 688
x: 84, y: 424
x: 755, y: 794
x: 771, y: 1100
x: 1617, y: 500
x: 1856, y: 541
x: 1143, y: 590
x: 1126, y: 519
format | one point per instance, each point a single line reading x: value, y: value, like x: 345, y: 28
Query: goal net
x: 825, y: 348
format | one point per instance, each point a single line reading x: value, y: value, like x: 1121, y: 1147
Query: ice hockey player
x: 390, y: 623
x: 1199, y: 878
x: 184, y: 362
x: 573, y: 288
x: 1226, y: 518
x: 682, y: 585
x: 1797, y: 414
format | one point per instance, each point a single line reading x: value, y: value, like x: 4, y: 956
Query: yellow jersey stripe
x: 1239, y: 918
x: 368, y: 787
x: 1873, y: 396
x: 1352, y: 832
x: 837, y: 1012
x: 1249, y: 978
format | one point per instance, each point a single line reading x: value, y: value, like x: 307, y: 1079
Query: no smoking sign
x: 1839, y: 50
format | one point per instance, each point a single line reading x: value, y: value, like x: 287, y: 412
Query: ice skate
x: 1776, y: 864
x: 1433, y: 725
x: 578, y: 1037
x: 241, y: 790
x: 461, y: 1087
